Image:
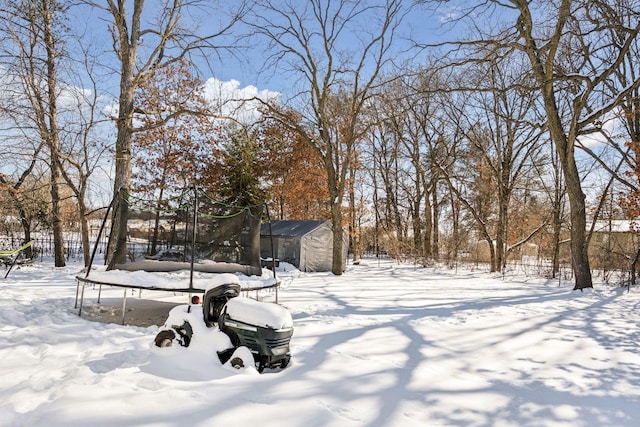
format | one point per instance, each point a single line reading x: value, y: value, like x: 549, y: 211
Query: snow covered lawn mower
x: 264, y: 328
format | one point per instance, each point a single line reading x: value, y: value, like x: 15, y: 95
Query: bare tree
x: 406, y: 146
x: 550, y: 177
x: 335, y: 51
x: 81, y: 150
x: 472, y: 183
x: 572, y: 54
x: 406, y: 110
x: 512, y: 147
x: 383, y: 156
x: 141, y: 51
x: 34, y: 51
x: 581, y: 32
x: 625, y: 147
x: 20, y: 155
x: 416, y: 103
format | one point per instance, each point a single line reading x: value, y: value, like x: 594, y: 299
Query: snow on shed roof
x: 290, y: 227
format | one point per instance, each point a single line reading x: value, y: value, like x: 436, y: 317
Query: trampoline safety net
x: 195, y: 228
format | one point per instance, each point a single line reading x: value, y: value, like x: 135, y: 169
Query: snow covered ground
x: 382, y: 345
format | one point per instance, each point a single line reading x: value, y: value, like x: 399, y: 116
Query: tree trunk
x: 493, y: 265
x: 26, y: 229
x: 156, y: 221
x: 56, y: 222
x: 84, y: 231
x: 556, y: 217
x: 452, y: 252
x: 502, y: 227
x: 544, y: 68
x: 53, y: 136
x: 336, y: 219
x: 417, y: 228
x: 565, y: 150
x: 117, y: 245
x: 428, y: 227
x: 435, y: 247
x: 335, y: 193
x: 555, y: 257
x: 353, y: 227
x: 579, y: 245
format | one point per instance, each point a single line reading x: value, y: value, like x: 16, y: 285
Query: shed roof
x: 292, y: 228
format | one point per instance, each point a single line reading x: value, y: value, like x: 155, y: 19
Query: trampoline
x: 209, y: 242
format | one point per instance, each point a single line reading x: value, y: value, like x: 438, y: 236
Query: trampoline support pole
x: 77, y: 292
x: 124, y: 304
x: 81, y: 299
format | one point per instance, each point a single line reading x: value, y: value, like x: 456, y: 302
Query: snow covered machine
x: 264, y: 328
x: 215, y: 299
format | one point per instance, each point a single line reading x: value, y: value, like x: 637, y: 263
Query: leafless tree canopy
x: 508, y: 132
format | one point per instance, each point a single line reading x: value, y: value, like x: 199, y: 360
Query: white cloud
x: 450, y: 15
x: 611, y: 128
x: 232, y: 100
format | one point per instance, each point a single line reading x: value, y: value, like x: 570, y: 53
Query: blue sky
x: 421, y: 24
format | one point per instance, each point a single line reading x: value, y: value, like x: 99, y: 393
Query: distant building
x: 613, y: 244
x: 308, y: 245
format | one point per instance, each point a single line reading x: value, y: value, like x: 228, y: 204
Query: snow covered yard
x: 382, y: 345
